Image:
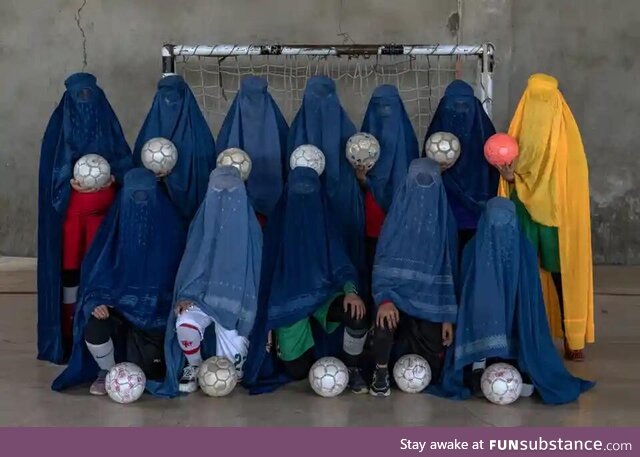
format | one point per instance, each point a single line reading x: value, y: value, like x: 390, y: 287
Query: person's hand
x: 78, y: 188
x: 508, y: 171
x: 361, y: 173
x: 353, y: 301
x: 101, y: 312
x: 162, y: 174
x: 182, y: 306
x: 447, y: 334
x: 388, y: 315
x: 109, y: 183
x: 444, y: 167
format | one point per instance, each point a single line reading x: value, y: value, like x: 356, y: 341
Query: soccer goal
x: 420, y: 72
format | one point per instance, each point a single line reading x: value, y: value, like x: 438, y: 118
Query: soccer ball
x: 92, y: 171
x: 236, y: 158
x: 307, y: 155
x: 500, y: 149
x: 412, y: 373
x: 328, y: 377
x: 443, y: 147
x: 217, y: 376
x: 125, y: 382
x: 501, y: 384
x: 159, y: 155
x: 363, y: 150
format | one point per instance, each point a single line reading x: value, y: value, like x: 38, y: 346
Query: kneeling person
x: 312, y: 282
x: 126, y: 286
x: 413, y: 275
x: 218, y: 278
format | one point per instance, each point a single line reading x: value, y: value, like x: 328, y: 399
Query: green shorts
x: 543, y: 237
x: 296, y: 339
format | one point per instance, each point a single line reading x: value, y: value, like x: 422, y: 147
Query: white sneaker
x: 189, y: 380
x: 527, y: 390
x: 98, y: 387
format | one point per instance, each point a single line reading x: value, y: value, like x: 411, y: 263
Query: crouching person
x: 126, y: 286
x: 216, y: 286
x: 413, y: 275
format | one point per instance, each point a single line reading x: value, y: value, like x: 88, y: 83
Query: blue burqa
x: 131, y: 267
x: 175, y: 115
x: 472, y: 180
x: 415, y: 263
x: 255, y: 124
x: 219, y: 271
x: 82, y: 123
x: 387, y: 120
x: 502, y: 311
x: 323, y: 122
x: 304, y: 265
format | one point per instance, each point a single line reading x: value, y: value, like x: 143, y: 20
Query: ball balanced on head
x: 444, y: 148
x: 159, y: 155
x: 237, y: 158
x: 307, y: 155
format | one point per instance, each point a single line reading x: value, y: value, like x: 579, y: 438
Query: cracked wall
x: 41, y: 42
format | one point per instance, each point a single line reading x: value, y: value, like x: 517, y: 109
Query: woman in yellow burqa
x: 549, y: 183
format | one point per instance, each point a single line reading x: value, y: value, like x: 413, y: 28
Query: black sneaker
x: 476, y: 383
x: 380, y: 386
x: 189, y: 380
x: 356, y: 382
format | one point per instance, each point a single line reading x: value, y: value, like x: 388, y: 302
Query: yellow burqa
x: 552, y: 180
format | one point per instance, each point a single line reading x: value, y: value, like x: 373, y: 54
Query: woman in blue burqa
x: 216, y: 290
x: 387, y: 120
x: 255, y: 124
x: 322, y: 122
x: 126, y: 288
x: 308, y: 289
x: 502, y: 314
x: 82, y: 123
x: 471, y: 181
x: 414, y: 275
x: 175, y: 115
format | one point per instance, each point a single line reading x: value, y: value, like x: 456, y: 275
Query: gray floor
x: 26, y: 400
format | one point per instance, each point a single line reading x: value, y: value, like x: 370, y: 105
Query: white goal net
x: 420, y: 72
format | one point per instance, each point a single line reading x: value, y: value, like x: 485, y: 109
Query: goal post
x: 420, y: 72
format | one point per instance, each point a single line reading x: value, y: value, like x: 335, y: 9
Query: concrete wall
x: 591, y: 46
x: 41, y: 43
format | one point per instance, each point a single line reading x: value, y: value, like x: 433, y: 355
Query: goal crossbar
x: 420, y: 71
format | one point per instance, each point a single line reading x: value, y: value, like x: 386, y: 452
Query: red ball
x: 500, y: 149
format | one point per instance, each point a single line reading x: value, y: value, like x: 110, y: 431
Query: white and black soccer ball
x: 159, y: 155
x: 363, y: 150
x: 328, y: 377
x: 92, y: 171
x: 443, y: 147
x: 501, y: 384
x: 125, y: 382
x: 237, y: 158
x: 307, y: 155
x: 217, y: 376
x: 412, y: 373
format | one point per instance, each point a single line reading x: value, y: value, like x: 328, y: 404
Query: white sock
x: 353, y: 341
x: 102, y: 354
x: 189, y: 339
x: 479, y: 365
